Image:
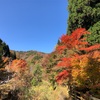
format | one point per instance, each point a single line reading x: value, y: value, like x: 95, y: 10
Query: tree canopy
x: 85, y: 14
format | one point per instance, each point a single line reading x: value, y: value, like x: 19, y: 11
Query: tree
x: 37, y: 76
x: 4, y: 49
x: 80, y: 68
x: 1, y: 62
x: 18, y: 66
x: 85, y: 14
x: 95, y: 36
x: 13, y: 55
x: 1, y: 47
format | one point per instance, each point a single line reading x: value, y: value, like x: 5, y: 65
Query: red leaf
x: 61, y: 76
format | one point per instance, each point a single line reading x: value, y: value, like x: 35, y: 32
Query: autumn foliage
x: 83, y: 66
x: 66, y: 62
x: 18, y: 66
x: 85, y: 71
x: 74, y: 40
x: 91, y: 48
x: 63, y: 75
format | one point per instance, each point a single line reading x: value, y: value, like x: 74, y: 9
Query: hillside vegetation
x: 70, y: 72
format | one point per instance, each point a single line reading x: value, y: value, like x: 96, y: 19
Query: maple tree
x: 91, y: 48
x: 85, y: 13
x: 18, y: 66
x: 85, y: 71
x: 62, y: 75
x: 74, y: 40
x: 81, y: 68
x: 21, y: 72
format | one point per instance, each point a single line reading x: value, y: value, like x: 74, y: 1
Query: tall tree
x: 1, y: 63
x: 85, y: 14
x: 4, y: 49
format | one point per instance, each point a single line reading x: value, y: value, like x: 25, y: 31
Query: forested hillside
x: 70, y: 72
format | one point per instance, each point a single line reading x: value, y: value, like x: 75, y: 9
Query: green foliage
x: 83, y: 13
x: 37, y: 57
x: 58, y: 42
x: 29, y: 53
x: 53, y: 81
x: 4, y: 49
x: 37, y: 75
x: 13, y: 55
x: 1, y: 62
x: 95, y: 34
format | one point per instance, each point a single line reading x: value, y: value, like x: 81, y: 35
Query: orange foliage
x: 74, y: 40
x: 60, y: 48
x: 80, y: 66
x: 5, y: 59
x: 86, y: 70
x: 95, y: 55
x: 18, y: 66
x: 61, y: 76
x: 66, y: 62
x: 91, y: 48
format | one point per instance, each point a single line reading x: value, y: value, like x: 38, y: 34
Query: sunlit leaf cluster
x: 18, y: 66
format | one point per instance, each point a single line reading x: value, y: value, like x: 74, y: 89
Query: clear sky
x: 32, y: 24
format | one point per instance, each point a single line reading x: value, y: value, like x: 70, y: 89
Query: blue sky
x: 32, y: 24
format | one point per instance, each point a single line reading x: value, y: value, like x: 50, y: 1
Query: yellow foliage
x: 46, y: 92
x: 85, y: 71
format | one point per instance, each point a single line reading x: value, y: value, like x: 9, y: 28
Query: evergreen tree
x: 37, y: 76
x: 0, y: 42
x: 1, y: 48
x: 1, y: 62
x: 95, y: 36
x: 58, y: 42
x: 4, y: 49
x: 85, y: 14
x: 14, y: 55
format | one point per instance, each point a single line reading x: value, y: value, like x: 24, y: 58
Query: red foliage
x: 77, y: 64
x: 66, y: 62
x: 61, y: 76
x: 74, y: 40
x: 60, y: 48
x: 78, y: 33
x: 91, y: 48
x: 77, y: 56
